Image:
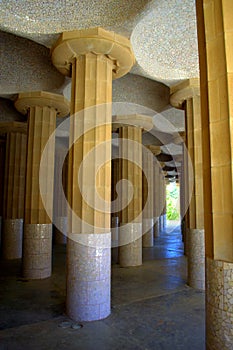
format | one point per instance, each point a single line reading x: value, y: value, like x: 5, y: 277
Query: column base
x: 37, y: 253
x: 156, y: 227
x: 115, y: 240
x: 130, y: 245
x: 12, y: 238
x: 60, y: 230
x: 89, y: 277
x: 219, y: 304
x: 148, y: 233
x: 196, y: 258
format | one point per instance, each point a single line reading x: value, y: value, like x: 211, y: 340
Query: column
x: 156, y: 206
x: 130, y: 151
x: 115, y: 210
x: 2, y: 166
x: 214, y: 23
x: 42, y: 108
x: 60, y: 205
x: 162, y: 199
x: 187, y: 96
x: 14, y: 187
x: 92, y: 57
x: 147, y: 199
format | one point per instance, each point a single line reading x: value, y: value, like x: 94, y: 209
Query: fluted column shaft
x: 13, y: 204
x: 130, y: 249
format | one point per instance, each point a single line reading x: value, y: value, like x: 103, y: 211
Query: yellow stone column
x: 156, y: 205
x: 14, y: 183
x: 215, y: 26
x: 162, y: 199
x: 147, y: 201
x: 130, y: 152
x: 2, y: 166
x: 92, y: 57
x: 187, y: 96
x: 115, y: 211
x: 184, y: 203
x: 42, y: 109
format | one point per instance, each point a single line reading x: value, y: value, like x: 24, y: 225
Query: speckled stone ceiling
x: 163, y: 33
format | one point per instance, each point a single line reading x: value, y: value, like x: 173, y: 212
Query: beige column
x: 147, y: 199
x: 14, y: 186
x: 2, y: 167
x: 215, y: 26
x: 162, y: 199
x: 184, y: 202
x: 93, y: 57
x: 42, y: 108
x: 115, y: 210
x: 60, y: 203
x: 130, y: 243
x: 156, y: 205
x: 130, y: 152
x: 187, y: 96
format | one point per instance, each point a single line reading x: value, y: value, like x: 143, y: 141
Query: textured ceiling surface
x: 163, y: 33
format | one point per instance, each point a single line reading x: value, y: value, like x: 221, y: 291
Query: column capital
x: 19, y: 127
x: 156, y: 150
x: 42, y: 99
x: 184, y: 91
x: 98, y: 41
x: 137, y: 120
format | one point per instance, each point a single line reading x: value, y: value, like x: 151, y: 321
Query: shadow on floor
x: 152, y: 308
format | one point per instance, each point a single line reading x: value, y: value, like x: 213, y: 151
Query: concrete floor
x: 152, y: 308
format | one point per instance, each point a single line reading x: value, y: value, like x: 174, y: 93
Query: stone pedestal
x: 196, y: 258
x: 219, y: 304
x: 37, y: 257
x: 130, y: 245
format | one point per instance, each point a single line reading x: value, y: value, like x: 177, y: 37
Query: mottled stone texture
x: 12, y: 239
x: 196, y: 258
x: 89, y: 277
x: 219, y: 305
x: 37, y: 251
x: 130, y: 244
